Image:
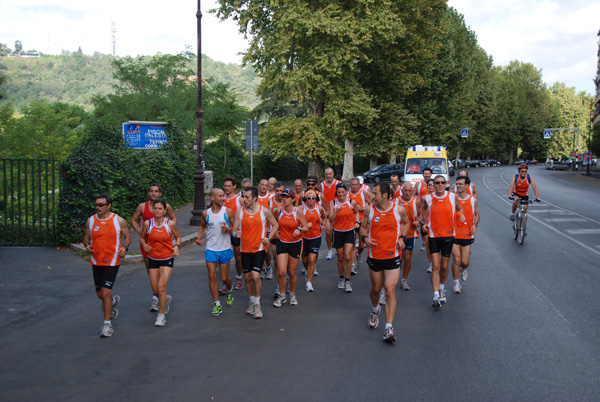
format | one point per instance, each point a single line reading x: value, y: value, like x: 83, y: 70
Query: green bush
x: 102, y: 164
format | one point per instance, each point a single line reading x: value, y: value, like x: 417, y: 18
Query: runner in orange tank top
x: 250, y: 225
x: 384, y: 231
x: 311, y: 243
x: 465, y: 232
x: 264, y: 199
x: 233, y: 202
x: 328, y: 194
x: 413, y: 211
x: 362, y: 199
x: 157, y: 241
x: 292, y: 223
x: 275, y: 206
x: 439, y: 209
x: 102, y: 240
x: 145, y: 212
x: 343, y: 215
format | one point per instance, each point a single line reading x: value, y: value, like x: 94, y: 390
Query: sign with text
x: 144, y: 134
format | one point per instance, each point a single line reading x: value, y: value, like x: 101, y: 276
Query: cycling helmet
x: 523, y: 166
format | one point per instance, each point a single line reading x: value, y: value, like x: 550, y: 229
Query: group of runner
x: 267, y: 230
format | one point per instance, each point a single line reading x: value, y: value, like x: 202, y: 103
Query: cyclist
x: 519, y: 185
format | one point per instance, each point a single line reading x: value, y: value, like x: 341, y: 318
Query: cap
x: 288, y: 193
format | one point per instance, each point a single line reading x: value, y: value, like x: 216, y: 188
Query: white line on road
x: 564, y: 219
x: 582, y: 231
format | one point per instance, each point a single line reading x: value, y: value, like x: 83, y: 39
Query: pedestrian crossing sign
x: 547, y: 134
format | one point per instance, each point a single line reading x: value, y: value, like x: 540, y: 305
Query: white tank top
x: 216, y: 239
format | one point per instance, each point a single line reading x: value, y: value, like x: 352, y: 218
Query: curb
x: 137, y: 258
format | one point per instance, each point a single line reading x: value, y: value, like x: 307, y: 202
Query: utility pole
x: 113, y: 30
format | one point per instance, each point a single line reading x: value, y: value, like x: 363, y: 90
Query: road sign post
x: 252, y: 143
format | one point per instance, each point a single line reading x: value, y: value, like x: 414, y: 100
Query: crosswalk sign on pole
x: 547, y: 134
x: 464, y: 132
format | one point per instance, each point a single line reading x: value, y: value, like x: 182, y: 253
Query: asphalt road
x: 524, y: 328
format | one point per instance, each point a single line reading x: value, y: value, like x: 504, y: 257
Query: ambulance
x: 419, y: 157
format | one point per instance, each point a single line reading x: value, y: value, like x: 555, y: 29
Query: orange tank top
x: 233, y: 203
x: 441, y: 214
x: 160, y: 239
x: 264, y: 200
x: 463, y: 229
x: 411, y: 211
x: 344, y: 217
x: 312, y: 216
x: 253, y: 228
x: 106, y: 240
x: 359, y: 198
x: 384, y: 229
x: 422, y: 189
x: 521, y: 186
x: 328, y: 190
x: 288, y: 223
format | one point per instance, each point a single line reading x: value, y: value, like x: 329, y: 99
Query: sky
x: 557, y: 36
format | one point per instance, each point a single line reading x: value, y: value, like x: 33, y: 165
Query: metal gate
x: 29, y: 199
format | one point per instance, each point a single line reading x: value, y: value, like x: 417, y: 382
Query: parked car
x: 558, y: 165
x: 483, y: 163
x: 520, y: 161
x: 474, y: 163
x: 383, y: 172
x: 493, y: 162
x: 460, y: 164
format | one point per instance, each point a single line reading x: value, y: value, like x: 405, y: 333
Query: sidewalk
x: 188, y: 235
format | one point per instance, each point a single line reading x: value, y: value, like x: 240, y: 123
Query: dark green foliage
x: 103, y: 165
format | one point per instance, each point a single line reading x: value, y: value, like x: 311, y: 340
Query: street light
x: 199, y: 204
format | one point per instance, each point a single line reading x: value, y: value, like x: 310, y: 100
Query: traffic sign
x: 464, y: 133
x: 252, y: 135
x: 547, y: 134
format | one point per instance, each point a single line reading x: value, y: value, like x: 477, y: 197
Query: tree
x: 18, y: 47
x: 4, y: 50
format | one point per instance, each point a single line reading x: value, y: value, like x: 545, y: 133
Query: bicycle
x: 520, y: 222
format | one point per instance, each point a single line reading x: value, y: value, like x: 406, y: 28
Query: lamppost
x: 199, y: 204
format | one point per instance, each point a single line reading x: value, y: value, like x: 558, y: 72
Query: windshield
x: 416, y: 165
x: 378, y: 168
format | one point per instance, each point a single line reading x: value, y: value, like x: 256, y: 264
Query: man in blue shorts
x: 216, y: 223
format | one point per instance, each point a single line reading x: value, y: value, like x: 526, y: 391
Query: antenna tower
x: 113, y: 29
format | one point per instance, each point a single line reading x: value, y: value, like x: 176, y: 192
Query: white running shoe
x: 457, y: 288
x: 316, y: 272
x: 309, y: 287
x: 373, y: 319
x: 257, y: 311
x: 404, y: 285
x: 263, y: 273
x: 115, y: 307
x: 341, y: 283
x: 293, y: 300
x: 107, y: 330
x: 269, y: 274
x: 280, y: 301
x: 430, y: 268
x: 358, y: 260
x: 388, y: 335
x: 436, y: 303
x: 423, y: 248
x: 161, y: 320
x: 347, y: 287
x: 382, y: 297
x: 353, y: 270
x: 443, y: 296
x: 330, y: 255
x: 303, y: 269
x: 154, y: 304
x: 250, y: 309
x: 167, y: 307
x: 464, y: 275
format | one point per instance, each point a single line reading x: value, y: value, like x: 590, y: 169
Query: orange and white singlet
x: 264, y: 200
x: 441, y: 214
x: 344, y: 217
x: 106, y: 240
x: 385, y: 227
x: 274, y: 204
x: 328, y: 190
x: 160, y: 239
x: 422, y: 191
x: 463, y: 229
x: 234, y: 203
x: 521, y: 185
x: 397, y: 193
x: 314, y: 216
x: 469, y: 189
x: 253, y: 228
x: 411, y: 211
x: 359, y: 198
x: 288, y: 223
x: 299, y: 197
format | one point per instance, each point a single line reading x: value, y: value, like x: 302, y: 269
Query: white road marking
x: 582, y: 231
x: 564, y: 220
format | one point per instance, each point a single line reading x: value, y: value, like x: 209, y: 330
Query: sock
x: 155, y: 298
x: 252, y: 299
x: 442, y: 286
x: 388, y: 325
x: 238, y: 277
x: 107, y: 322
x: 257, y: 299
x: 347, y: 279
x: 436, y: 295
x: 376, y: 310
x: 455, y: 281
x: 217, y: 303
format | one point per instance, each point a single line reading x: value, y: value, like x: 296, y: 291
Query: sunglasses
x: 523, y: 170
x: 101, y: 205
x: 308, y: 183
x: 440, y: 182
x: 430, y: 184
x: 311, y: 198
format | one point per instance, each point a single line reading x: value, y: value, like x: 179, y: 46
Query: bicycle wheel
x: 522, y: 232
x: 516, y: 224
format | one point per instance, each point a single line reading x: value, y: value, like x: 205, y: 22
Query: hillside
x: 75, y: 78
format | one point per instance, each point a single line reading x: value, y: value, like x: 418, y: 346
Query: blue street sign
x: 547, y: 134
x: 144, y: 134
x: 252, y: 135
x: 464, y: 132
